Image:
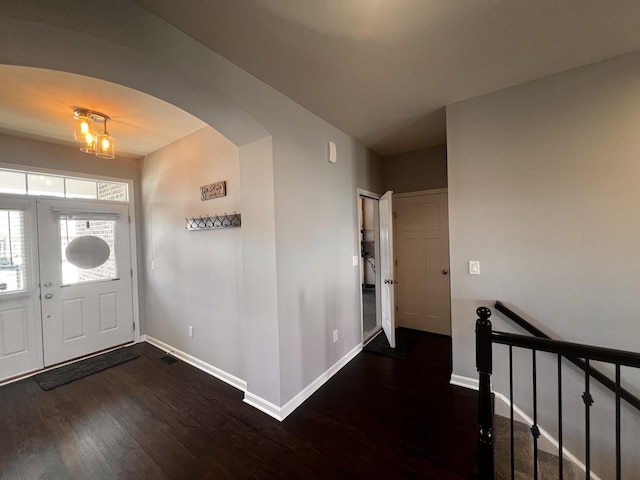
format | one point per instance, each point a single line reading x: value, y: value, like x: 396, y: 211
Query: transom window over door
x: 40, y: 184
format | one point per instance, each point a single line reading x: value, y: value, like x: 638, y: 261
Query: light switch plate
x: 474, y: 267
x: 355, y: 260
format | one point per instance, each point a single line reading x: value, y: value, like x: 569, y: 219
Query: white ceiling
x: 380, y: 70
x: 38, y: 103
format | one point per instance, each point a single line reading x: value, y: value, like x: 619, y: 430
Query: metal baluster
x: 534, y: 428
x: 588, y: 401
x: 618, y: 453
x: 560, y: 449
x: 513, y: 457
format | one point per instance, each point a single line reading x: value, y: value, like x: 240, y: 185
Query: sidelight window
x: 13, y: 252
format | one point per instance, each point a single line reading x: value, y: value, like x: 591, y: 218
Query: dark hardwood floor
x: 378, y: 418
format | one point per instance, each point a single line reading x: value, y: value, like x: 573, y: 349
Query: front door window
x: 87, y: 250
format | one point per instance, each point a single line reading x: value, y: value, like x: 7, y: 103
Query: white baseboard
x: 466, y: 382
x: 280, y: 413
x: 199, y: 364
x: 519, y: 414
x: 263, y: 405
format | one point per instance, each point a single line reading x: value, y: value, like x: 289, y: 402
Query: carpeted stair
x: 523, y: 453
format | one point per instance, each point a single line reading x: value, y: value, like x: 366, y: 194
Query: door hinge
x: 129, y: 218
x: 132, y: 273
x: 134, y: 326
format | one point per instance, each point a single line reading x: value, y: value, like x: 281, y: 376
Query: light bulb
x: 89, y: 143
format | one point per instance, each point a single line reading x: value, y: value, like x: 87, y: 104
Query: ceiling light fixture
x: 87, y: 131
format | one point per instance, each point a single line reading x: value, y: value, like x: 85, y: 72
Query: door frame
x: 374, y: 196
x: 419, y: 193
x: 133, y: 224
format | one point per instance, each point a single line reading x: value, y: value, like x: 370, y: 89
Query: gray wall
x: 307, y: 234
x: 424, y: 169
x: 543, y: 192
x: 197, y: 279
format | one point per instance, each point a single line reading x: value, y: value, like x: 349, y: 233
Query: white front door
x: 85, y: 277
x: 422, y: 253
x: 387, y: 307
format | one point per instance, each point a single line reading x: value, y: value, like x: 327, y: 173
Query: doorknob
x: 445, y: 271
x: 48, y: 296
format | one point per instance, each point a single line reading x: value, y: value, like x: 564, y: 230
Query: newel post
x: 484, y: 364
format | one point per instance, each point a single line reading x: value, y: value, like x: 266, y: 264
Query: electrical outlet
x: 190, y: 331
x: 335, y: 335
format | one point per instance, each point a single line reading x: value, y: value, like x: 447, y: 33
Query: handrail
x: 572, y: 354
x: 599, y: 354
x: 517, y: 319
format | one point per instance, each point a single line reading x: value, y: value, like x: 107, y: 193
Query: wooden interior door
x: 422, y: 253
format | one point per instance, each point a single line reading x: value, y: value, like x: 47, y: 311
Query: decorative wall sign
x: 213, y: 190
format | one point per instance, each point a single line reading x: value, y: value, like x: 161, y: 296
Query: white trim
x: 199, y: 364
x: 367, y: 193
x: 280, y: 413
x: 263, y: 405
x: 133, y: 255
x: 310, y: 389
x: 373, y: 196
x: 435, y: 191
x: 465, y: 382
x: 472, y: 384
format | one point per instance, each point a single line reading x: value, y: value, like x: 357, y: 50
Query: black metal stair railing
x: 486, y: 337
x: 581, y: 364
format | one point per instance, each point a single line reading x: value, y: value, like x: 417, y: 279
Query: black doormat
x: 69, y: 373
x: 406, y: 339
